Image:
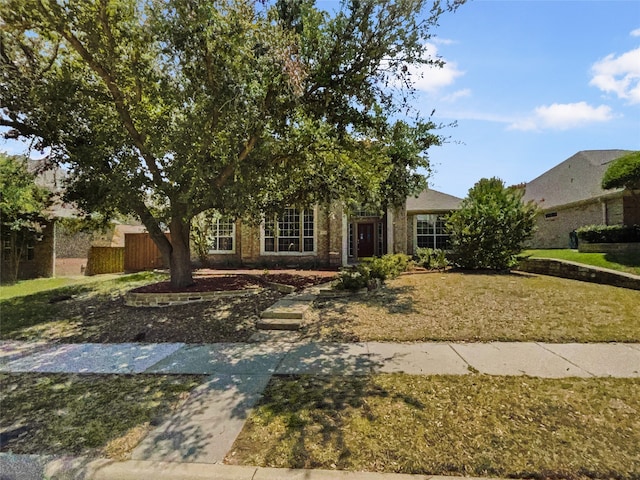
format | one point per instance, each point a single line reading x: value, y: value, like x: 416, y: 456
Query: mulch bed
x: 203, y: 284
x: 219, y: 283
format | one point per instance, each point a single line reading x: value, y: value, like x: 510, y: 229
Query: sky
x: 529, y: 84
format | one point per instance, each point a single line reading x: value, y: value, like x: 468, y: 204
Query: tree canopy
x: 489, y: 229
x: 167, y: 108
x: 623, y: 173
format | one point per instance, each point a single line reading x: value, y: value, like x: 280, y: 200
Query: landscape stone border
x: 579, y: 271
x: 137, y: 299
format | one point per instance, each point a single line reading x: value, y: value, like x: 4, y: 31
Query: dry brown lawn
x: 481, y: 307
x: 470, y: 425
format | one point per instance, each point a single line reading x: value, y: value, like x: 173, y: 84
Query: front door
x: 365, y: 240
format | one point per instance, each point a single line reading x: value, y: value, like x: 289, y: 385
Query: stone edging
x: 136, y: 299
x: 579, y: 271
x: 609, y: 247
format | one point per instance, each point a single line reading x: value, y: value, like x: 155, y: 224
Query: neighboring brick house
x: 331, y: 236
x: 570, y: 196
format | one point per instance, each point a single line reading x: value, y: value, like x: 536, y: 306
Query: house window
x: 222, y: 235
x: 291, y: 232
x: 430, y: 231
x: 27, y: 248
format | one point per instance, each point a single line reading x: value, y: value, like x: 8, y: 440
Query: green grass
x: 85, y: 414
x: 484, y: 307
x: 29, y: 287
x: 515, y: 427
x: 58, y: 285
x: 623, y: 262
x: 31, y: 302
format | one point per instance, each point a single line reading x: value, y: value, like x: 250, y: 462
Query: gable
x: 575, y: 180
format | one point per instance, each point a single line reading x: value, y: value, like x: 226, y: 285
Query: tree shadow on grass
x: 87, y: 316
x: 206, y: 427
x: 332, y: 316
x: 627, y: 259
x: 310, y: 412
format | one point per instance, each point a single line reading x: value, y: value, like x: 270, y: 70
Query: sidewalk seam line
x: 452, y: 347
x: 541, y: 345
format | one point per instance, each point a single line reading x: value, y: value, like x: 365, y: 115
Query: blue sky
x: 530, y: 83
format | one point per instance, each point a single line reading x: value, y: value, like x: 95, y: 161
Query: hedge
x: 609, y: 233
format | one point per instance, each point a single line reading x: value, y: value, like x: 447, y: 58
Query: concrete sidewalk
x: 194, y: 441
x: 547, y: 360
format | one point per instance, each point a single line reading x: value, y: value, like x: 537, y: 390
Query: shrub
x: 388, y: 266
x: 609, y: 233
x: 353, y: 278
x: 491, y: 226
x: 370, y: 273
x: 432, y: 258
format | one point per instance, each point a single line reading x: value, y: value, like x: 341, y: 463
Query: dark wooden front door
x: 365, y: 240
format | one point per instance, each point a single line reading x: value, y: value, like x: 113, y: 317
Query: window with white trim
x: 430, y: 231
x: 222, y: 235
x: 291, y: 232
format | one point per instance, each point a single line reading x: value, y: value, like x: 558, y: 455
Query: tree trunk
x: 180, y: 256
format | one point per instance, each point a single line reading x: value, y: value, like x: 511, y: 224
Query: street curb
x: 82, y: 468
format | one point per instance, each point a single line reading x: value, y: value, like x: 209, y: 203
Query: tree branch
x: 139, y: 139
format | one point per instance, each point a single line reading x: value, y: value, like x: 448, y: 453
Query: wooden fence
x: 140, y: 253
x: 105, y: 260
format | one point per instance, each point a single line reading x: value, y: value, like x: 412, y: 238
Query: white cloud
x: 563, y: 116
x: 636, y: 32
x: 619, y: 75
x: 452, y: 97
x: 428, y: 78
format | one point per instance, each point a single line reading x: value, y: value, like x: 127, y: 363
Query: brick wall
x: 42, y: 264
x: 553, y: 232
x: 72, y: 245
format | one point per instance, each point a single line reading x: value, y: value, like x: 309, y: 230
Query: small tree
x: 489, y: 229
x: 623, y: 173
x: 22, y: 203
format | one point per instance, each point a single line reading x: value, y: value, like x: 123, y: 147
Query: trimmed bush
x: 388, y: 266
x: 609, y: 233
x: 370, y: 273
x: 353, y: 278
x: 432, y: 258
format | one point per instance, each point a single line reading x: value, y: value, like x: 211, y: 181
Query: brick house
x: 570, y: 196
x: 332, y: 236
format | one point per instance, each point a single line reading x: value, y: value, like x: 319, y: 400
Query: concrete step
x: 286, y: 309
x: 279, y: 323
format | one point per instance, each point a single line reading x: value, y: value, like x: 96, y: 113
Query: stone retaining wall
x: 577, y: 271
x: 134, y: 299
x: 609, y: 247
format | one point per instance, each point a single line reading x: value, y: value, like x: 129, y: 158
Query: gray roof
x: 433, y: 201
x: 575, y: 180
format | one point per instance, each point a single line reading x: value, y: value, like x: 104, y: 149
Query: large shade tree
x: 167, y: 108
